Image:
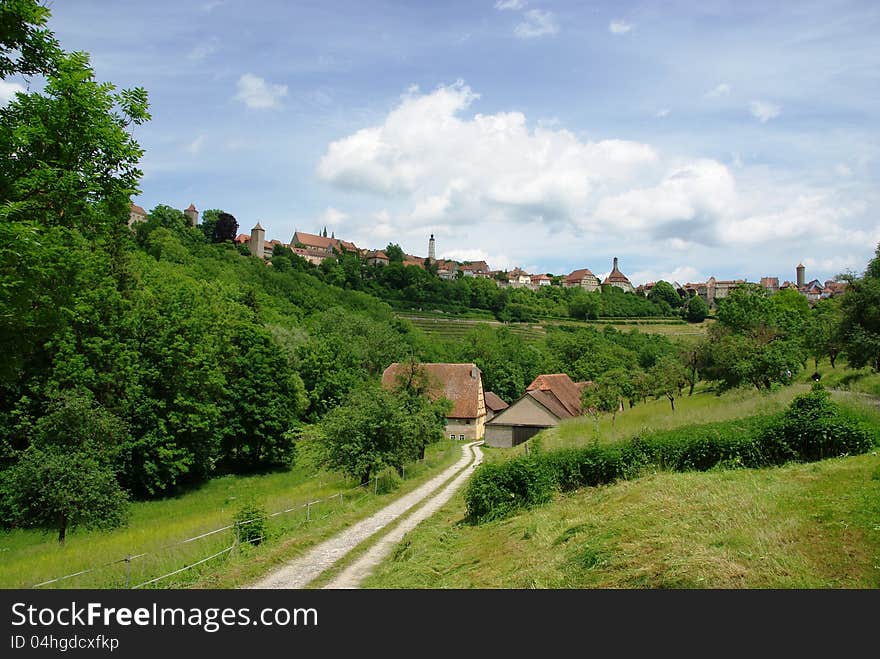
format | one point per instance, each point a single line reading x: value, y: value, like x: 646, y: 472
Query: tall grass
x: 28, y: 557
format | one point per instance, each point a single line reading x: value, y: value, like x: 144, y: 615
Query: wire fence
x: 139, y: 570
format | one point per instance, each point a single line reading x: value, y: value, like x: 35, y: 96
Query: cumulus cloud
x: 764, y: 111
x: 537, y: 23
x: 504, y: 5
x: 8, y: 90
x: 489, y: 165
x: 256, y: 93
x: 619, y: 27
x: 444, y: 168
x: 722, y: 89
x: 681, y: 274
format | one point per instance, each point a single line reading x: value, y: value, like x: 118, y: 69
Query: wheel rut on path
x: 301, y: 571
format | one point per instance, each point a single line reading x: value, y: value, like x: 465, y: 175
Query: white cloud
x: 842, y: 169
x: 208, y: 7
x: 662, y: 112
x: 681, y: 274
x: 721, y: 89
x: 619, y: 27
x: 203, y: 50
x: 196, y: 145
x: 487, y: 180
x: 8, y: 90
x: 537, y: 23
x: 333, y: 217
x: 486, y: 166
x: 763, y: 111
x: 256, y: 93
x: 503, y: 5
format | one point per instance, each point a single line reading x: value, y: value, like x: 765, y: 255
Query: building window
x: 452, y: 435
x: 461, y: 436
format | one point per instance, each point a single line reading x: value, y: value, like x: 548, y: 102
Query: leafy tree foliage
x: 394, y: 253
x: 66, y: 478
x: 667, y: 377
x: 27, y: 46
x: 225, y: 229
x: 209, y: 222
x: 696, y: 310
x: 377, y: 428
x: 663, y: 291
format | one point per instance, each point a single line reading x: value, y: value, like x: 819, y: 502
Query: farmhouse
x: 460, y: 383
x: 548, y: 400
x: 583, y: 278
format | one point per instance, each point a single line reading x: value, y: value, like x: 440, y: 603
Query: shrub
x: 389, y: 480
x: 250, y: 523
x: 498, y: 489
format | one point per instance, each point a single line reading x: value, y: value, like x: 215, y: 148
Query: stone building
x: 136, y: 214
x: 192, y: 215
x: 618, y: 279
x: 583, y: 278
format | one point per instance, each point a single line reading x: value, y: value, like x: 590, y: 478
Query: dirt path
x: 354, y: 574
x: 303, y: 570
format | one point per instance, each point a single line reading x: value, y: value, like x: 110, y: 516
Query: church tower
x: 432, y: 256
x: 257, y: 241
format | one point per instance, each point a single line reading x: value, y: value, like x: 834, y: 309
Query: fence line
x: 307, y: 506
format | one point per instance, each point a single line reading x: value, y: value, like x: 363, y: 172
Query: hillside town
x: 316, y: 248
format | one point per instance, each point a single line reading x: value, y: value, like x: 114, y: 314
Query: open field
x: 447, y: 327
x: 30, y: 557
x: 798, y: 526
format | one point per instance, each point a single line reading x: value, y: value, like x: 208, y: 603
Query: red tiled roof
x: 494, y: 402
x: 242, y: 238
x: 475, y: 266
x: 137, y: 209
x: 376, y: 254
x: 557, y: 392
x: 452, y: 381
x: 191, y: 207
x: 578, y: 275
x: 616, y: 276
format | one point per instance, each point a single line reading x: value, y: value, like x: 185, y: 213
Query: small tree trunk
x: 422, y: 452
x: 62, y: 528
x: 671, y: 402
x: 365, y: 479
x: 833, y: 356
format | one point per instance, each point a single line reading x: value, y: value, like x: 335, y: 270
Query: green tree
x: 27, y: 46
x: 66, y: 478
x: 823, y: 331
x: 66, y: 157
x: 394, y: 253
x: 225, y: 229
x: 369, y: 432
x: 696, y: 310
x: 668, y: 377
x: 663, y: 291
x: 605, y: 395
x: 860, y: 323
x: 209, y: 222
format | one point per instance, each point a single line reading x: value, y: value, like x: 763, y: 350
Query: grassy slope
x: 798, y: 526
x: 29, y: 557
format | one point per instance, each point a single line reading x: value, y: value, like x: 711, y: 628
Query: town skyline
x: 689, y: 140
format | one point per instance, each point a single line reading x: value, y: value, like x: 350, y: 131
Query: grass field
x: 30, y: 557
x: 448, y: 327
x: 798, y: 526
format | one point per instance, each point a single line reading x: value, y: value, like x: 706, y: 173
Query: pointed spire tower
x: 432, y: 255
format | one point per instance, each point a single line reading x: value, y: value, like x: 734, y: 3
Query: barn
x: 548, y: 400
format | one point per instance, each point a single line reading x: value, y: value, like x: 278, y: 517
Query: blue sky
x: 687, y: 138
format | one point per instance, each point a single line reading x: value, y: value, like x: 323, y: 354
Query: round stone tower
x: 257, y: 241
x: 192, y: 215
x: 432, y: 256
x: 801, y: 275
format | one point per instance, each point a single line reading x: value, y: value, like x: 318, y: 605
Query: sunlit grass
x: 28, y: 557
x: 798, y: 526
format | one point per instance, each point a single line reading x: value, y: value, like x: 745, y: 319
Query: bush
x: 250, y: 523
x: 389, y: 480
x: 498, y: 489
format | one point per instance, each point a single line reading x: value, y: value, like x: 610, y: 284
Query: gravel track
x: 301, y: 571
